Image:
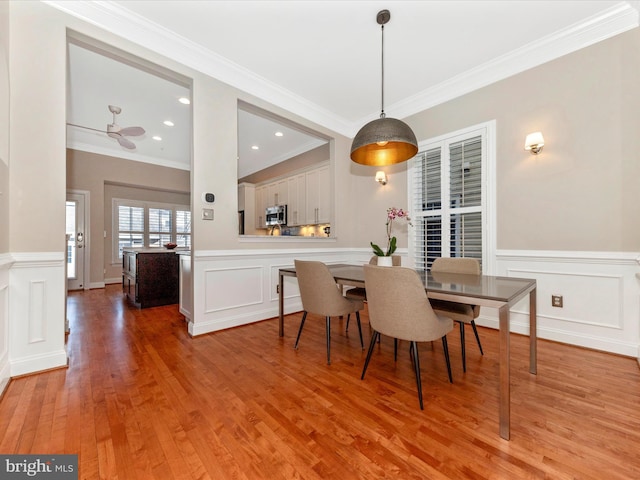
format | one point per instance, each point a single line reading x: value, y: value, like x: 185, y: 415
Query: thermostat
x: 208, y: 197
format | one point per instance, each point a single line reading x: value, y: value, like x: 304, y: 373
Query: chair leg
x: 464, y: 353
x: 416, y: 367
x: 360, y: 329
x: 328, y: 321
x: 445, y: 345
x: 475, y: 330
x: 395, y: 349
x: 348, y: 318
x: 304, y: 317
x: 371, y: 345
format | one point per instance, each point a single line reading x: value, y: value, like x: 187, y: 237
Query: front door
x: 76, y: 244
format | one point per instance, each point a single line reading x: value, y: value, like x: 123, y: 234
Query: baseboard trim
x: 609, y: 345
x: 39, y: 364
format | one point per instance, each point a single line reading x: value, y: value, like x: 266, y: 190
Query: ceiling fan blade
x: 132, y: 131
x: 126, y: 143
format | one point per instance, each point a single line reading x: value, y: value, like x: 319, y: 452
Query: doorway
x: 77, y: 240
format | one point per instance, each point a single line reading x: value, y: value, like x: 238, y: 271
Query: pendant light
x: 384, y: 141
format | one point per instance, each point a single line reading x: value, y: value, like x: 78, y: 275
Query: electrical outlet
x: 556, y: 301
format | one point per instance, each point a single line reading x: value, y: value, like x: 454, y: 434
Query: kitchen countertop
x: 153, y: 250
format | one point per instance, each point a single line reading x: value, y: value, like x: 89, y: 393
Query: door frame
x: 86, y: 196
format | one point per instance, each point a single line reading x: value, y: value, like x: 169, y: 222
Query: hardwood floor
x: 143, y: 400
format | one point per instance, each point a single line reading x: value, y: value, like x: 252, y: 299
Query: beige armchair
x: 460, y: 312
x: 321, y: 295
x: 399, y: 308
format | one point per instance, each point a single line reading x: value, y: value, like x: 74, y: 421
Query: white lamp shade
x: 381, y: 177
x: 534, y: 140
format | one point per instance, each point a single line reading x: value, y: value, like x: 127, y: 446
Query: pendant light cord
x: 382, y: 114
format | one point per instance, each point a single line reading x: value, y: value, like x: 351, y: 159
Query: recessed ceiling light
x: 255, y: 147
x: 168, y: 123
x: 157, y: 137
x: 279, y: 134
x: 184, y: 100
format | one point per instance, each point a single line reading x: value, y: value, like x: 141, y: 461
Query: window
x: 140, y: 224
x: 183, y: 228
x: 450, y: 190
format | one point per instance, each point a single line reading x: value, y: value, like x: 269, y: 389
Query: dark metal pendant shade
x: 384, y: 141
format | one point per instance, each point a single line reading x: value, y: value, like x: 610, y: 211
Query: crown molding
x: 127, y: 155
x: 135, y: 28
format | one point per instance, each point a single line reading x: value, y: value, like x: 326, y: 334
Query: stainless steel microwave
x: 276, y: 215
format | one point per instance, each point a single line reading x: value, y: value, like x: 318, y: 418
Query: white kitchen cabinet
x: 318, y: 196
x: 261, y: 205
x: 296, y: 206
x: 277, y: 193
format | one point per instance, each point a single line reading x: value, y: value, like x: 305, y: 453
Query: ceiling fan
x: 116, y: 131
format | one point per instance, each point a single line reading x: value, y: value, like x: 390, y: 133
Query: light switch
x: 207, y: 213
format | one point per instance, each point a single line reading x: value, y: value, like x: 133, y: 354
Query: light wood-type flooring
x: 143, y: 400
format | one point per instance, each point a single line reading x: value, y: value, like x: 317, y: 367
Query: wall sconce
x: 534, y: 143
x: 381, y: 177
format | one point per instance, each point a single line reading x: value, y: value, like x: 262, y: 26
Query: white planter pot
x: 385, y: 261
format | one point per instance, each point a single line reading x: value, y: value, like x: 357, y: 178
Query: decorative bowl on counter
x: 170, y: 246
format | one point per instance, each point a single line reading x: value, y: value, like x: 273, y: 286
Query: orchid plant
x: 392, y: 214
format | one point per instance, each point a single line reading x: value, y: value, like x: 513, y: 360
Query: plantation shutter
x: 447, y: 201
x: 160, y: 226
x: 183, y: 228
x: 140, y: 224
x: 130, y: 227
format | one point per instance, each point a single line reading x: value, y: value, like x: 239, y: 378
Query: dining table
x: 498, y: 292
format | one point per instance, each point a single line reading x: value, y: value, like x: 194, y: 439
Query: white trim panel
x: 601, y: 298
x: 237, y: 287
x: 37, y: 286
x: 5, y: 371
x: 232, y: 288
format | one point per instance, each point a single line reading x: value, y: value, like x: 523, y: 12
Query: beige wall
x: 578, y: 195
x: 37, y: 73
x: 104, y: 177
x: 39, y: 151
x: 4, y: 127
x: 581, y: 193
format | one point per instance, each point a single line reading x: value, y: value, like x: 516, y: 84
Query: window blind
x: 139, y: 224
x: 447, y: 203
x: 183, y: 228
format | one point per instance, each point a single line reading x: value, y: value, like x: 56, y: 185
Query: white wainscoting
x: 232, y: 288
x: 37, y: 286
x: 600, y: 291
x: 5, y: 371
x: 185, y: 282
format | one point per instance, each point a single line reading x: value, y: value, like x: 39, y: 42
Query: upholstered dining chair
x: 462, y: 313
x: 399, y: 308
x: 321, y: 295
x: 360, y: 293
